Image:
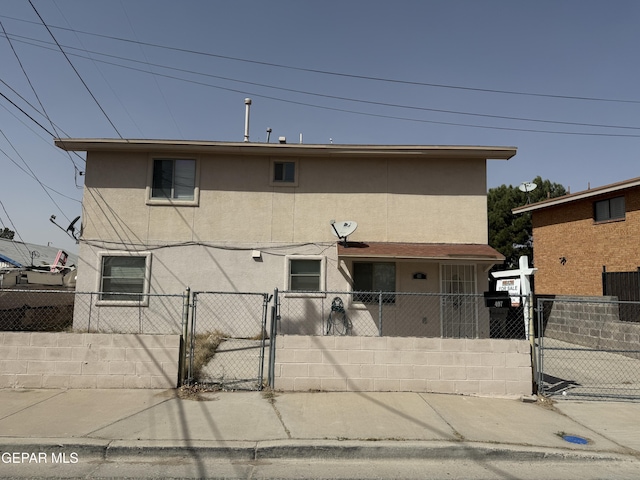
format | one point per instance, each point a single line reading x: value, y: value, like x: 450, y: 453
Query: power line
x: 343, y: 74
x: 74, y: 69
x: 34, y: 177
x: 30, y: 117
x: 15, y: 229
x: 155, y: 79
x: 33, y: 174
x: 355, y: 112
x: 124, y: 107
x: 44, y: 111
x: 391, y: 105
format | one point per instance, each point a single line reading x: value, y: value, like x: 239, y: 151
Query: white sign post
x: 522, y: 274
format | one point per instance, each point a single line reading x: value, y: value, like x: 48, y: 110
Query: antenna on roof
x: 343, y: 229
x: 527, y: 187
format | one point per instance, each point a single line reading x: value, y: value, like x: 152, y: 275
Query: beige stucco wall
x: 393, y: 200
x: 381, y: 364
x: 209, y: 246
x: 85, y: 360
x: 231, y: 268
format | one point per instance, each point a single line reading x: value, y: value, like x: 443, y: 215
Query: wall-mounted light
x: 256, y: 255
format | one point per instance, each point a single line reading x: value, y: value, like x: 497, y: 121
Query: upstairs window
x: 284, y: 173
x: 173, y: 179
x: 610, y: 209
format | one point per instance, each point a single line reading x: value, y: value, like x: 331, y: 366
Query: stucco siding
x: 429, y: 201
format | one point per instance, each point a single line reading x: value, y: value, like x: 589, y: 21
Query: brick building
x: 578, y: 235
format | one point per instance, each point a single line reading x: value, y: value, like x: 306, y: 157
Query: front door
x: 459, y: 311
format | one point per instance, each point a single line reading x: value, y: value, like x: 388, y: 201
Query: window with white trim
x: 173, y: 179
x: 124, y: 277
x: 305, y: 273
x: 610, y: 209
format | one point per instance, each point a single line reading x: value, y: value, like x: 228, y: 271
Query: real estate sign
x: 511, y: 285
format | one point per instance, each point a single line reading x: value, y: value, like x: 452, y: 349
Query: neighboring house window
x: 284, y: 173
x: 124, y: 277
x: 305, y: 273
x: 610, y: 209
x: 173, y: 179
x: 374, y: 277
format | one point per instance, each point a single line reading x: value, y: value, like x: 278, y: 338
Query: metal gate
x: 584, y: 350
x: 227, y: 340
x: 625, y: 286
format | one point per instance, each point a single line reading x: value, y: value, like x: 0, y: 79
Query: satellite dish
x: 527, y: 187
x: 71, y: 229
x: 343, y: 229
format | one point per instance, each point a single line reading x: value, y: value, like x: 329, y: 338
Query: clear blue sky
x: 357, y: 72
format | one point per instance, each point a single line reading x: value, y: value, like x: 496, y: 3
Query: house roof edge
x: 572, y: 197
x: 251, y: 148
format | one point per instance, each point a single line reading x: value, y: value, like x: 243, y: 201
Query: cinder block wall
x: 591, y: 324
x: 391, y: 364
x: 88, y: 360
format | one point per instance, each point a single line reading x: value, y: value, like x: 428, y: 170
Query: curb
x: 304, y: 449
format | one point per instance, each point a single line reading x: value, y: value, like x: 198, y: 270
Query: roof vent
x: 247, y: 103
x: 282, y: 139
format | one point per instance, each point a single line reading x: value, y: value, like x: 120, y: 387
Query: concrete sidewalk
x: 258, y: 425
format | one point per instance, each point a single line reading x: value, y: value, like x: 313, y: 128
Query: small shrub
x: 205, y: 348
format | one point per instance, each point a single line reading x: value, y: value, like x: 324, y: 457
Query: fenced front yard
x: 373, y: 341
x: 396, y: 314
x: 585, y: 350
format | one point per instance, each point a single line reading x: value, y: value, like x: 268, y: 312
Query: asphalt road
x: 201, y: 467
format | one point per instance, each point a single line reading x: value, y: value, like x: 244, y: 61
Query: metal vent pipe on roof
x: 247, y: 103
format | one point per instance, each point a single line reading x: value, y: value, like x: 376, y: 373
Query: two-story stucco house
x: 161, y: 215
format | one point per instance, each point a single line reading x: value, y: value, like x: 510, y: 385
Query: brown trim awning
x: 422, y: 251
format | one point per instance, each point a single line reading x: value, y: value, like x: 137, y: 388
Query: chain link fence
x: 397, y: 314
x: 585, y: 351
x: 70, y: 311
x: 227, y: 339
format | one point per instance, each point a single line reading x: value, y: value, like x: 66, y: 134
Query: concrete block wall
x: 488, y: 367
x: 88, y: 360
x: 591, y: 324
